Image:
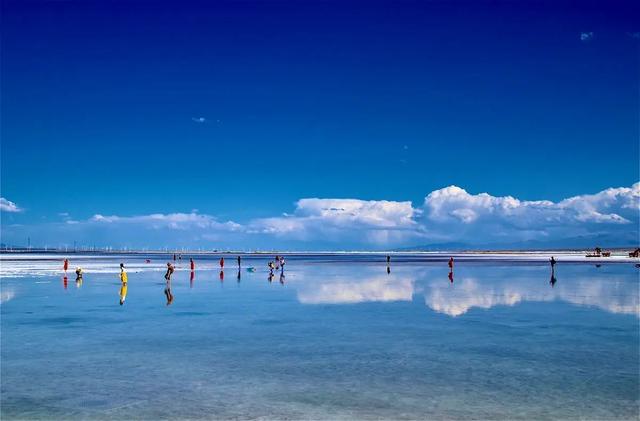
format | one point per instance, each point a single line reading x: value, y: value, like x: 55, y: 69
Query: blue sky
x: 237, y: 110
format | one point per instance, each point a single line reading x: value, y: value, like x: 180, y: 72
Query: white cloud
x: 374, y: 221
x: 8, y: 206
x: 448, y: 214
x: 464, y: 215
x: 586, y: 36
x: 172, y: 221
x: 198, y: 119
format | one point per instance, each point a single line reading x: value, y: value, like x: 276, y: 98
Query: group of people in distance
x: 277, y: 263
x: 65, y: 281
x: 273, y: 265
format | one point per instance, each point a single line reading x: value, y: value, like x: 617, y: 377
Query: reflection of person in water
x: 123, y: 287
x: 221, y: 276
x: 553, y: 279
x: 451, y: 276
x: 191, y: 278
x: 388, y: 270
x: 270, y: 278
x: 65, y: 281
x: 282, y: 277
x: 238, y: 277
x: 170, y: 269
x: 78, y: 277
x: 123, y: 293
x: 167, y: 292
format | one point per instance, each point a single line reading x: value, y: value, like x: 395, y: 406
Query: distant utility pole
x: 29, y: 242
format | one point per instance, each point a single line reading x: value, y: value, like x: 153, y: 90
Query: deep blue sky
x: 369, y: 100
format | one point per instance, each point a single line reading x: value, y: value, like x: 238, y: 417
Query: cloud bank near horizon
x: 450, y: 214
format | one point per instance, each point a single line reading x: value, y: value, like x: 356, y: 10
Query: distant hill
x: 629, y: 240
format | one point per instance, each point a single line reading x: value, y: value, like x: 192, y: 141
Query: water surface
x: 334, y: 337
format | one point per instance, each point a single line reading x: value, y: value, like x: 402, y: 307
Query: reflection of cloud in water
x: 347, y: 290
x: 6, y: 295
x: 612, y: 293
x: 609, y: 294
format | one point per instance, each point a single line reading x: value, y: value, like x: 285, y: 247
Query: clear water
x: 339, y: 338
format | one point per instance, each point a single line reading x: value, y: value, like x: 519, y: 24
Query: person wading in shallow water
x: 192, y: 263
x: 123, y: 287
x: 222, y: 263
x: 170, y: 269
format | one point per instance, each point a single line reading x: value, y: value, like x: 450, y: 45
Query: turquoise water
x: 336, y: 338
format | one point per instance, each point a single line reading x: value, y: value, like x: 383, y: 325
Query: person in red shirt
x: 193, y: 265
x: 221, y: 262
x: 451, y: 263
x: 66, y: 264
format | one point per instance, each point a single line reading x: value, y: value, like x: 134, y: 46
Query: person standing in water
x: 170, y: 269
x: 238, y: 262
x: 65, y: 265
x: 388, y: 260
x: 123, y: 287
x: 222, y: 263
x: 192, y: 263
x: 553, y: 262
x: 282, y: 263
x: 451, y: 263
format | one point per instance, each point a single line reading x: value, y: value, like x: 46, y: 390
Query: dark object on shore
x: 635, y: 253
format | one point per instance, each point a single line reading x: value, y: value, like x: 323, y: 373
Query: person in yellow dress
x: 123, y: 280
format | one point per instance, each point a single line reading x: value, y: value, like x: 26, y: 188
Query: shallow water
x: 338, y: 338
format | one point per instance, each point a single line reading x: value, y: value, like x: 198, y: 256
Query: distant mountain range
x: 630, y: 240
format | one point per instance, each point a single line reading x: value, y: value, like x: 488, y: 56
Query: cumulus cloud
x: 464, y: 215
x: 8, y: 206
x: 374, y: 221
x: 446, y: 215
